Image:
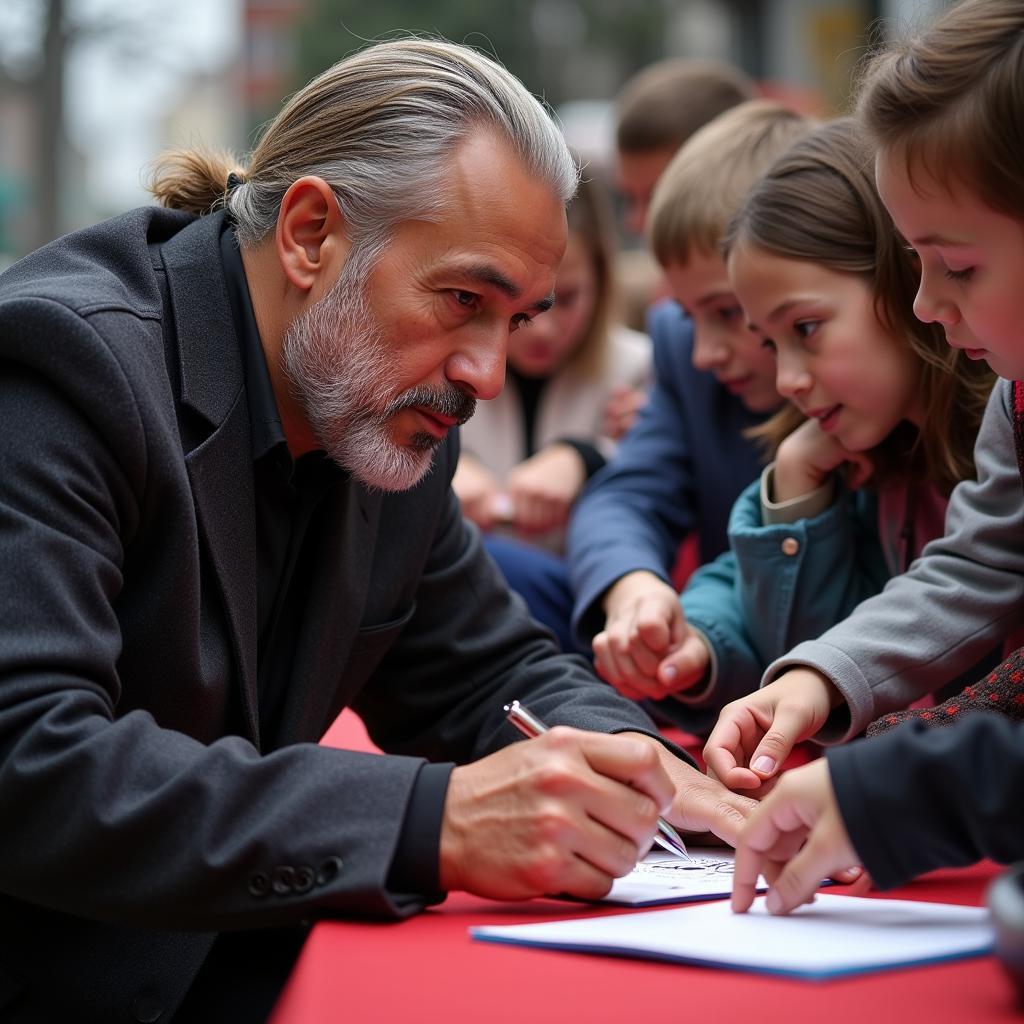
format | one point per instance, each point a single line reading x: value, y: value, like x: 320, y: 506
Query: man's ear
x: 311, y: 239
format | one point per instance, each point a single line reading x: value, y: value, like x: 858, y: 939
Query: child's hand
x: 755, y: 734
x: 796, y: 837
x: 543, y: 487
x: 621, y: 409
x: 477, y: 489
x: 646, y: 649
x: 808, y: 457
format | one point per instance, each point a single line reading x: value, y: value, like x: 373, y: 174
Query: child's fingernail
x: 668, y: 673
x: 773, y: 901
x: 764, y: 764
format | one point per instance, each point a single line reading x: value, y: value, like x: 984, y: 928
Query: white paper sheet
x: 835, y: 935
x: 664, y: 878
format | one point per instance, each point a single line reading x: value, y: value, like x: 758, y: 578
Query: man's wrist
x: 672, y: 756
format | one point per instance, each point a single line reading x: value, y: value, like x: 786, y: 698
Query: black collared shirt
x: 288, y: 493
x: 290, y: 513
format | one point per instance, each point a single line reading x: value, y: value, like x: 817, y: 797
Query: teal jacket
x: 777, y: 586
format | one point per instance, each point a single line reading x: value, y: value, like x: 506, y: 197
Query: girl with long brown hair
x: 878, y: 429
x: 944, y: 110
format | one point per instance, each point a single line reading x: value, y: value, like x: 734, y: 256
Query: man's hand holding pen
x: 530, y: 726
x: 570, y: 811
x: 566, y: 812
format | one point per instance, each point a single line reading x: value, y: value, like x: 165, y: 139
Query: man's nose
x: 479, y: 368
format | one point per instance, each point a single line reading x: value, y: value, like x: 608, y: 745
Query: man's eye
x: 467, y: 299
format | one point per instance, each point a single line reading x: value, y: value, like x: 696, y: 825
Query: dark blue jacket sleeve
x: 679, y: 469
x: 921, y: 798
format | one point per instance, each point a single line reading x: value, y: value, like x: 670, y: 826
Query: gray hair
x: 380, y: 126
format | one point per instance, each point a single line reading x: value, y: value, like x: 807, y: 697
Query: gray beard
x: 339, y: 369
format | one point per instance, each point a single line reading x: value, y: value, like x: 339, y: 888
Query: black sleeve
x: 922, y: 798
x: 463, y: 604
x: 157, y: 828
x: 416, y: 867
x: 160, y: 828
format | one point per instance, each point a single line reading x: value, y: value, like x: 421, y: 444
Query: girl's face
x: 835, y: 361
x: 722, y: 342
x: 972, y: 263
x: 546, y: 344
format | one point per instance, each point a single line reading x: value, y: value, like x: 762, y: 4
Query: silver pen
x: 530, y: 725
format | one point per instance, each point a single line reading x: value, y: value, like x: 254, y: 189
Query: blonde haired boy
x: 687, y: 459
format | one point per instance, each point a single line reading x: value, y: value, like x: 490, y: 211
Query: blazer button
x: 283, y: 880
x: 259, y: 884
x: 790, y: 546
x: 305, y: 878
x: 329, y: 870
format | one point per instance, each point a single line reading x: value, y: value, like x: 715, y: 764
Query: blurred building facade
x: 577, y: 53
x: 269, y: 54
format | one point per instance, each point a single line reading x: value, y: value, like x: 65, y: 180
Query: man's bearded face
x: 341, y: 368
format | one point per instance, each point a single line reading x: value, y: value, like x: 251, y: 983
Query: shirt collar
x: 265, y: 427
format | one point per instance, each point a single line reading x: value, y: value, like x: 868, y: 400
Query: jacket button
x: 146, y: 1010
x: 259, y: 884
x: 329, y: 870
x: 790, y: 546
x: 283, y: 880
x: 305, y: 877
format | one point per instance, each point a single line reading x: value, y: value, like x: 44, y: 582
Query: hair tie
x: 234, y: 180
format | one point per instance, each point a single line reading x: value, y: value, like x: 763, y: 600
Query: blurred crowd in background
x: 92, y: 90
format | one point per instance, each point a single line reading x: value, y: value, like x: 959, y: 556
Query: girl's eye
x: 521, y: 320
x: 960, y: 275
x: 805, y: 328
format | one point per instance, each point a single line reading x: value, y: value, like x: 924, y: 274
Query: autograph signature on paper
x: 663, y: 878
x: 701, y: 866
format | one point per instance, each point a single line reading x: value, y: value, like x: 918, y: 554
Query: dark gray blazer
x: 137, y: 814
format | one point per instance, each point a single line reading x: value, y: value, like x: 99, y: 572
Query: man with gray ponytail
x: 225, y: 514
